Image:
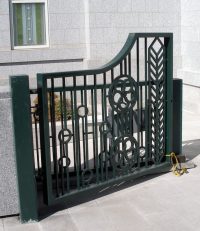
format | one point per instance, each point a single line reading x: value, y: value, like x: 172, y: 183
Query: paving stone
x: 168, y: 221
x: 13, y: 224
x: 124, y: 217
x: 58, y: 222
x: 90, y: 217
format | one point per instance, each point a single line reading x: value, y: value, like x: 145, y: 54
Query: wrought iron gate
x: 93, y: 128
x: 114, y: 122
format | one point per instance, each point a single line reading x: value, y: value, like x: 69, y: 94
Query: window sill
x: 30, y: 47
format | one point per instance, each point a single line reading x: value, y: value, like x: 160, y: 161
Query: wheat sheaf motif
x: 156, y: 67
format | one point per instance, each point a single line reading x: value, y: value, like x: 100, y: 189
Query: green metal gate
x: 120, y: 122
x: 109, y: 124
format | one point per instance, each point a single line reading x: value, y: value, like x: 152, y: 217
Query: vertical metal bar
x: 129, y: 63
x: 78, y: 132
x: 125, y: 65
x: 114, y: 133
x: 93, y: 128
x: 73, y: 129
x: 86, y: 125
x: 157, y: 121
x: 117, y: 115
x: 118, y: 127
x: 61, y: 109
x: 21, y: 109
x: 96, y: 130
x: 102, y: 136
x: 64, y: 106
x: 77, y: 141
x: 141, y: 115
x: 113, y: 126
x: 53, y: 134
x: 164, y: 108
x: 105, y: 118
x: 168, y: 42
x: 61, y: 146
x: 150, y: 152
x: 44, y: 138
x: 83, y: 132
x: 138, y: 100
x: 112, y: 74
x: 147, y: 112
x: 65, y: 146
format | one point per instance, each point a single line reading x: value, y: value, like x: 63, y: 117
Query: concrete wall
x: 8, y: 186
x: 190, y: 52
x: 110, y: 22
x: 93, y: 30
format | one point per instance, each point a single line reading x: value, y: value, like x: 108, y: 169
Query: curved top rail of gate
x: 131, y: 40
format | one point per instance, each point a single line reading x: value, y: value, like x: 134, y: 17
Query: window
x: 29, y: 23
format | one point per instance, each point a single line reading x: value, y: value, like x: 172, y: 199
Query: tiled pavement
x: 161, y: 203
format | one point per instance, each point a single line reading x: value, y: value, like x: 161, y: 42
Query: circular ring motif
x: 64, y: 161
x: 125, y: 152
x: 123, y: 93
x: 87, y: 175
x: 105, y: 127
x: 64, y: 135
x: 82, y: 111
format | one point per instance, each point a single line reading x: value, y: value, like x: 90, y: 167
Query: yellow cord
x: 176, y: 167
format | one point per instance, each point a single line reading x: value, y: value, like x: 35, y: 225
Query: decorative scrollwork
x: 125, y: 153
x: 123, y: 93
x: 64, y: 135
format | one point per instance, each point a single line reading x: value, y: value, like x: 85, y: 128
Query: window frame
x: 13, y: 46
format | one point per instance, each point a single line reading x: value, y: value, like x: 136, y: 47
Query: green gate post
x: 177, y: 116
x: 22, y: 124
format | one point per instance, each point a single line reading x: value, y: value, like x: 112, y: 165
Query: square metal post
x: 177, y: 116
x: 21, y: 109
